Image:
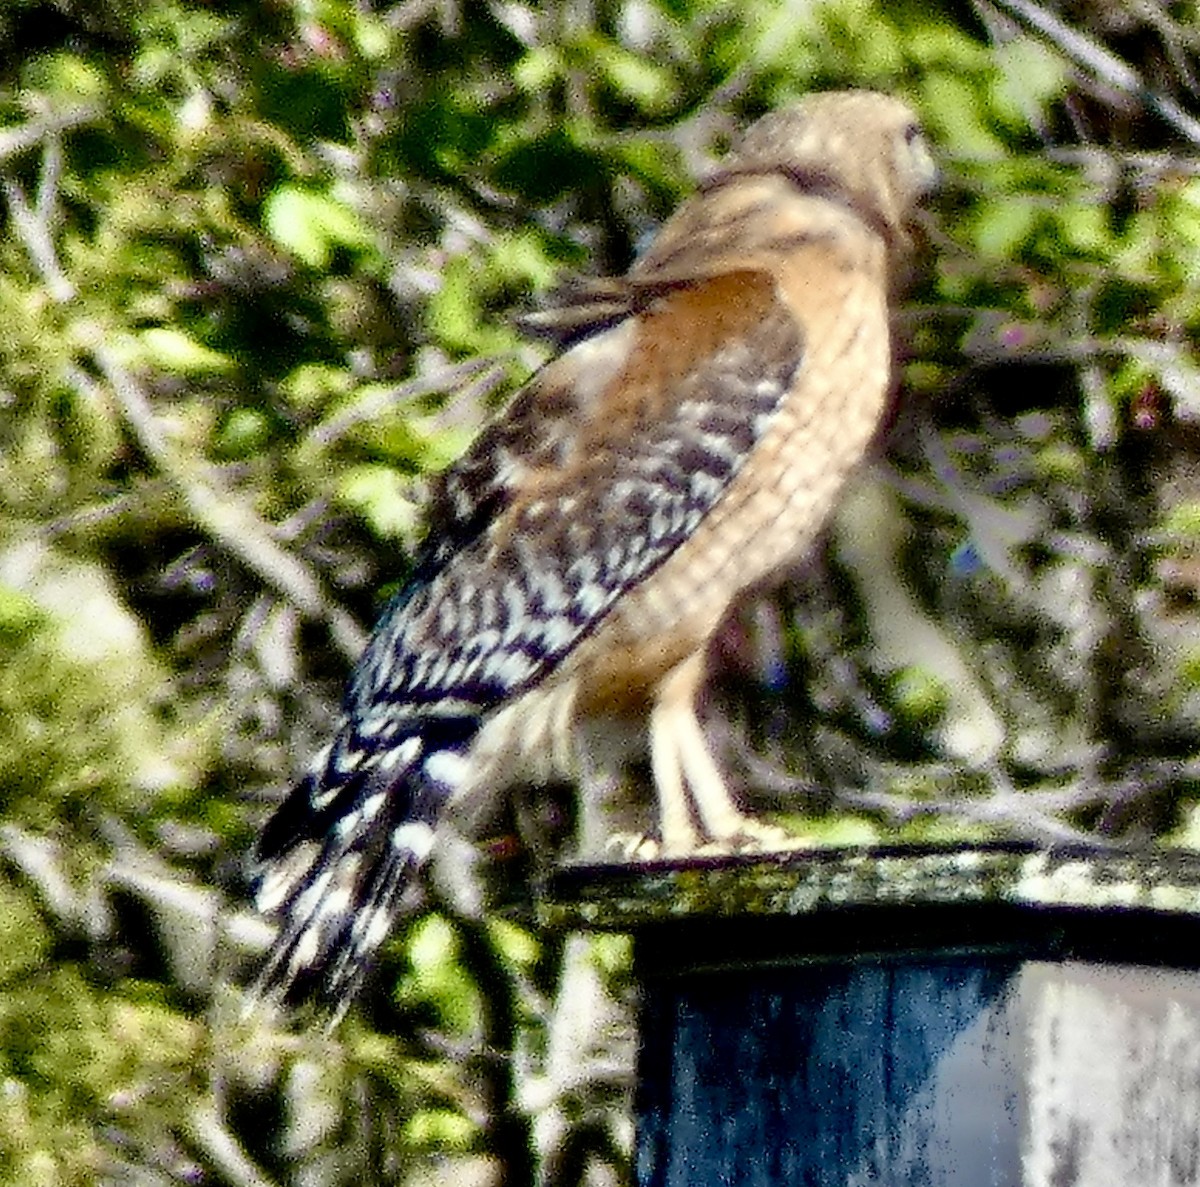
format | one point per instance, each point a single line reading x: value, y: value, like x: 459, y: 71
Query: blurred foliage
x: 257, y: 267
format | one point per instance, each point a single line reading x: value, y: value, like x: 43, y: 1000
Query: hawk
x: 687, y: 444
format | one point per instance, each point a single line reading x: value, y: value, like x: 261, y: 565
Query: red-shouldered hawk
x: 688, y: 443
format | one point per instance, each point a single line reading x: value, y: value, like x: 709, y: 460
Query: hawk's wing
x: 718, y: 252
x: 570, y: 499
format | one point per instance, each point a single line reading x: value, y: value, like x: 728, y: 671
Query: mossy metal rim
x: 626, y: 897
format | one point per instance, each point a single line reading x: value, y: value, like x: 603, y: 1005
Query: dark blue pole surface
x: 886, y: 1073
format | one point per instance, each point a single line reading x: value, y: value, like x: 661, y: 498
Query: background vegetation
x: 257, y: 269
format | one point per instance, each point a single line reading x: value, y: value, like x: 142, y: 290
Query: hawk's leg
x: 689, y: 783
x: 667, y: 762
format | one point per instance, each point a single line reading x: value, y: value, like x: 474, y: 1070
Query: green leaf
x: 611, y: 954
x: 1084, y: 226
x: 313, y: 385
x: 20, y: 615
x: 538, y: 69
x: 24, y: 938
x: 176, y: 351
x: 380, y: 496
x: 954, y: 108
x: 244, y: 432
x: 1182, y: 522
x: 522, y: 257
x: 514, y: 943
x: 1061, y: 462
x: 632, y: 76
x: 1031, y: 76
x: 312, y: 224
x: 373, y: 36
x: 1004, y: 226
x: 939, y: 43
x: 918, y: 695
x: 438, y: 978
x: 441, y: 1129
x: 66, y: 75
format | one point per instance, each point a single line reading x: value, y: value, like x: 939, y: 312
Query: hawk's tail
x: 337, y: 861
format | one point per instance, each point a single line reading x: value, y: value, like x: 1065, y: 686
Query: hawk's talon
x: 753, y: 836
x: 633, y: 847
x: 750, y: 836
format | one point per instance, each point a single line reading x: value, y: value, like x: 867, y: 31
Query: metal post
x: 949, y: 1017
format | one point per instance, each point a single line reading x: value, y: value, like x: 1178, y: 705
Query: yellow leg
x: 688, y: 778
x: 667, y: 762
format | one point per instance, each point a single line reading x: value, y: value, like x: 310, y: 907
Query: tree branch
x: 227, y: 519
x: 1085, y: 52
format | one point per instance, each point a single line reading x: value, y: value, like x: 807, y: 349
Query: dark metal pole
x: 987, y: 1016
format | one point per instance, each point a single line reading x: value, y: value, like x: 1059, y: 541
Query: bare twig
x: 230, y: 522
x: 33, y: 228
x: 1008, y: 810
x: 1092, y: 56
x: 14, y: 141
x: 212, y: 1136
x: 1148, y: 162
x: 486, y: 374
x: 1031, y: 812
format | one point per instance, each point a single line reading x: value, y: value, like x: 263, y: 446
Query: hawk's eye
x: 917, y: 161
